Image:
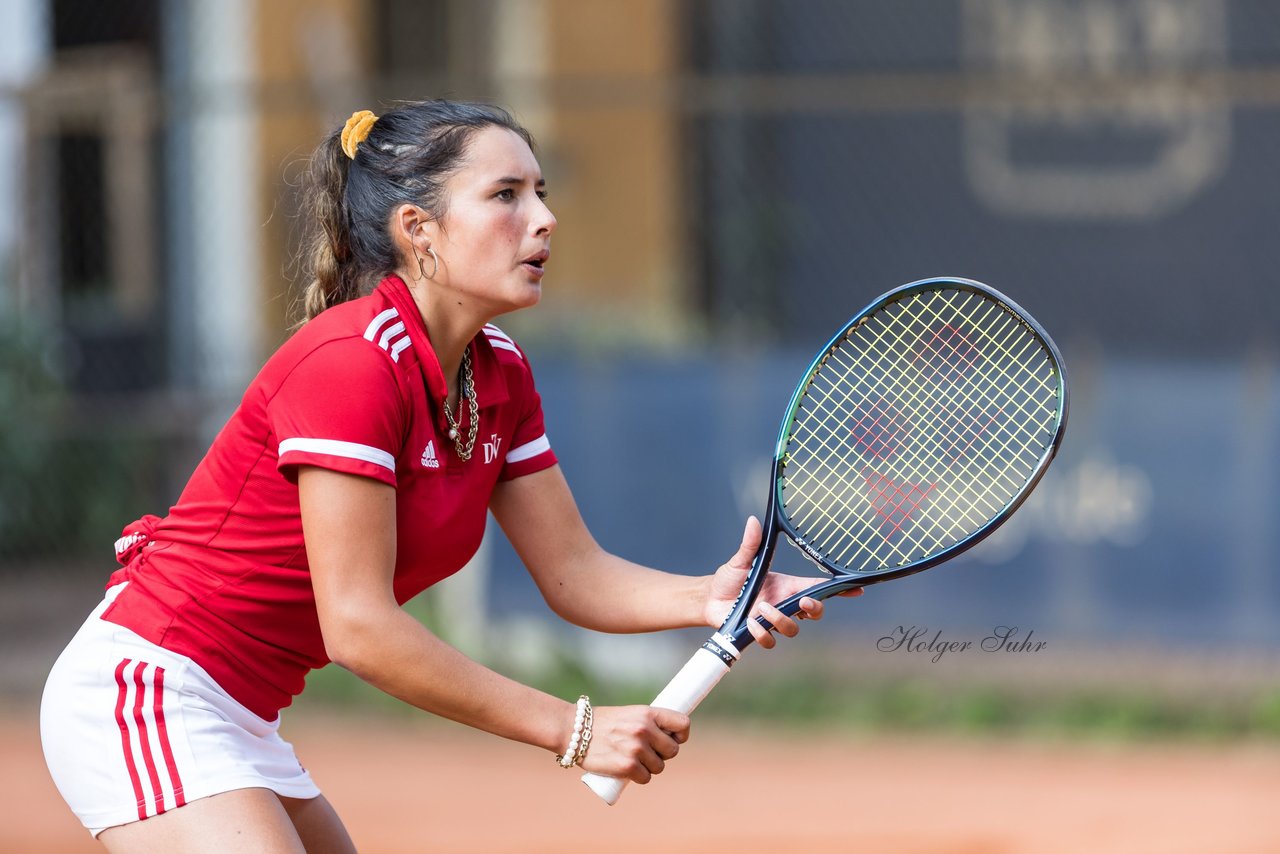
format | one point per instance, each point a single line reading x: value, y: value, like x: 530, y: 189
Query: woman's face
x: 495, y: 237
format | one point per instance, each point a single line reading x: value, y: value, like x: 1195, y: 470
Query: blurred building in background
x: 733, y: 178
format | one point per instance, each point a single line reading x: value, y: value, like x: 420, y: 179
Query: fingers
x: 763, y: 636
x: 672, y: 723
x: 652, y: 762
x: 810, y: 609
x: 636, y: 742
x: 640, y: 775
x: 663, y: 749
x: 662, y: 745
x: 750, y: 544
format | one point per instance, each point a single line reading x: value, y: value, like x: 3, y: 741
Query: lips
x: 538, y: 259
x: 535, y: 264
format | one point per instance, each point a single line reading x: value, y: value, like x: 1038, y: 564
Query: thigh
x: 318, y: 825
x: 242, y: 820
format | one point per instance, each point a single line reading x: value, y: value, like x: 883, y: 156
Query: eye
x: 505, y: 195
x: 543, y: 194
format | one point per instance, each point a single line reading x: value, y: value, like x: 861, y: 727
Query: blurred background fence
x: 733, y: 178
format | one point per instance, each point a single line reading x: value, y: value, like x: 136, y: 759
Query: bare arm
x: 349, y: 527
x: 582, y: 582
x: 590, y: 587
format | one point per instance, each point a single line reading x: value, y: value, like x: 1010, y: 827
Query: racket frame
x: 734, y: 626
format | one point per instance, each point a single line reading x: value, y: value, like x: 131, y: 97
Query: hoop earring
x: 435, y: 263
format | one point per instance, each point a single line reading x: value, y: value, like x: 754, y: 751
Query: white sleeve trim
x: 529, y: 449
x: 337, y: 448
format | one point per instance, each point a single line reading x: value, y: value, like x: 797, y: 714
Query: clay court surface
x: 421, y: 788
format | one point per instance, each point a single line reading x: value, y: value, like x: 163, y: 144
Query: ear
x: 411, y: 229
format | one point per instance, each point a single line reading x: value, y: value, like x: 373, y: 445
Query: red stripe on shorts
x: 139, y: 717
x: 124, y: 738
x: 163, y: 732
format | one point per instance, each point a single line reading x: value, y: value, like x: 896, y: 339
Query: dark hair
x: 347, y: 203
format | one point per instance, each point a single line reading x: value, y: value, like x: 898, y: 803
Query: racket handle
x: 682, y: 694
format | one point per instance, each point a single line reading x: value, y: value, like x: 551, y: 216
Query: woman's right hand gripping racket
x: 922, y: 425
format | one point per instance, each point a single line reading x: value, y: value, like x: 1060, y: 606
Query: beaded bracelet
x: 581, y: 737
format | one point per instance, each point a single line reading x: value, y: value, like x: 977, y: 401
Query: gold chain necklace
x: 466, y: 391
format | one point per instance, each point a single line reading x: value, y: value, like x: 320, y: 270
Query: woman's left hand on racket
x: 727, y: 583
x: 636, y: 742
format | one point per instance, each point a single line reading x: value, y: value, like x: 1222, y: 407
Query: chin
x: 532, y: 296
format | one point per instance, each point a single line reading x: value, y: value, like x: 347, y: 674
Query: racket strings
x: 1006, y: 325
x: 1019, y: 396
x: 916, y: 429
x: 878, y: 483
x: 899, y: 496
x: 894, y: 497
x: 825, y: 505
x: 893, y: 501
x: 902, y: 497
x: 1030, y: 349
x: 935, y: 406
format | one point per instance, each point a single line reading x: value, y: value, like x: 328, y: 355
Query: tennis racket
x: 920, y: 427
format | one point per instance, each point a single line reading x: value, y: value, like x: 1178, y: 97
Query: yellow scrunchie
x: 356, y: 130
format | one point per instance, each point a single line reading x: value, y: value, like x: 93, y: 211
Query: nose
x: 544, y: 221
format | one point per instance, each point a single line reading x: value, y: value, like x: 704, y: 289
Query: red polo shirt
x: 224, y: 577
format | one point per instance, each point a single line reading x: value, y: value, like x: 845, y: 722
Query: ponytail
x: 326, y: 246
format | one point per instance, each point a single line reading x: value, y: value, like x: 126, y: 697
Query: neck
x: 450, y: 326
x: 450, y: 343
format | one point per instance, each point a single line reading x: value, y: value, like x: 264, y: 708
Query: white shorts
x: 131, y: 730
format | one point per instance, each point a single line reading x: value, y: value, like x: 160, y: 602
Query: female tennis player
x: 356, y: 472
